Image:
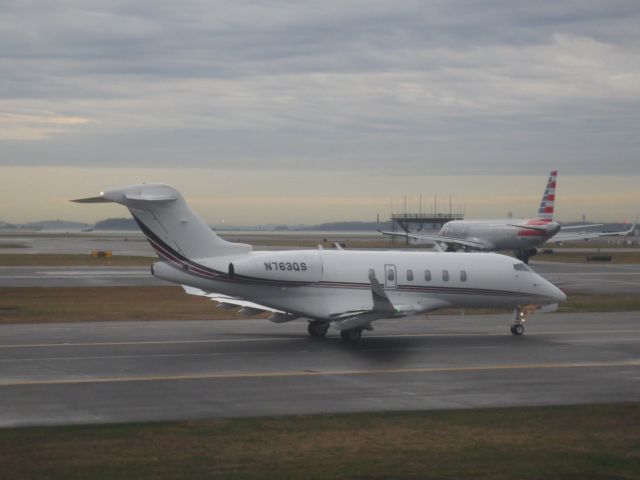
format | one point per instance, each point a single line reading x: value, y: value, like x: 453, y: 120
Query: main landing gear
x: 351, y: 334
x: 519, y: 317
x: 524, y: 255
x: 317, y: 329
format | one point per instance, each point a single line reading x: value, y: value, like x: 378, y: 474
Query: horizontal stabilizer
x: 93, y: 200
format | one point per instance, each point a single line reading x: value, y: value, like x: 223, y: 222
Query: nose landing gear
x: 517, y: 329
x: 519, y: 317
x: 524, y: 255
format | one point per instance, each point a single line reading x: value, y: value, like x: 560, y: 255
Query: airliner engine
x: 296, y: 266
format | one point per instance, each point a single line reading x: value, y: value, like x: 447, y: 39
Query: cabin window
x: 445, y: 275
x: 427, y: 275
x: 391, y: 276
x: 463, y: 275
x: 410, y: 275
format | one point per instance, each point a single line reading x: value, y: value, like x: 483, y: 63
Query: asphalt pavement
x: 164, y: 370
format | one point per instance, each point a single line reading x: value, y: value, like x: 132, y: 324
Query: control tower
x: 415, y: 222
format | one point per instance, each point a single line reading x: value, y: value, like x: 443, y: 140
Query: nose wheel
x: 517, y: 329
x: 519, y: 317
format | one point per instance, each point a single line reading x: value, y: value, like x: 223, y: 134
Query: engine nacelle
x: 296, y: 266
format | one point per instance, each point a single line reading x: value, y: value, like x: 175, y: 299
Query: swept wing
x: 246, y: 307
x: 564, y: 236
x: 472, y: 243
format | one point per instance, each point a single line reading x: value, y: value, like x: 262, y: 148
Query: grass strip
x: 587, y: 302
x: 71, y: 260
x: 87, y: 304
x: 581, y: 257
x: 574, y: 442
x: 13, y: 245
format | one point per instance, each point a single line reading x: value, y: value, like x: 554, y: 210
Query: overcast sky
x: 334, y: 105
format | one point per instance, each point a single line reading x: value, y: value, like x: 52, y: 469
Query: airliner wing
x: 561, y: 236
x: 577, y: 227
x: 472, y: 243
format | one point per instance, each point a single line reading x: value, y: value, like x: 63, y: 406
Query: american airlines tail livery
x: 522, y: 237
x: 344, y: 289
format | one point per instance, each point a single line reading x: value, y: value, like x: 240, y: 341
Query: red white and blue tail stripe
x: 545, y: 212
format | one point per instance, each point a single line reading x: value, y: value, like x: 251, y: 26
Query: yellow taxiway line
x: 305, y: 338
x: 319, y: 373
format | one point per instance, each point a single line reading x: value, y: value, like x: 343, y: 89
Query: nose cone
x: 553, y: 293
x: 559, y: 295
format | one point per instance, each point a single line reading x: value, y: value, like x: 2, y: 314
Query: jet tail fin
x: 175, y: 232
x: 545, y: 212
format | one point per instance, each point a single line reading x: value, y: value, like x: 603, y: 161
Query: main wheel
x: 318, y: 329
x: 517, y: 329
x: 351, y: 334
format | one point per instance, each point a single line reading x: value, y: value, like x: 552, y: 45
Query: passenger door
x: 390, y: 276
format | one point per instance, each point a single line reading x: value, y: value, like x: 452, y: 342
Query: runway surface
x: 139, y: 371
x: 574, y: 277
x: 77, y: 277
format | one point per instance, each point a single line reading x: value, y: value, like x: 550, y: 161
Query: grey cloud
x: 455, y: 86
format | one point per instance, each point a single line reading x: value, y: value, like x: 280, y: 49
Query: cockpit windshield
x: 521, y: 267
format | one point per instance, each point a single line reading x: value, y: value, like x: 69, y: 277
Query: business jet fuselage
x: 345, y: 289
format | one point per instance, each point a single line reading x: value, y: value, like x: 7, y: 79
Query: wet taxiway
x: 138, y: 371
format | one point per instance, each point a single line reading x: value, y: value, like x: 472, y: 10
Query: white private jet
x: 344, y: 289
x: 520, y: 236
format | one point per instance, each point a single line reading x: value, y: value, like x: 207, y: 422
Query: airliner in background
x: 522, y: 237
x: 344, y: 289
